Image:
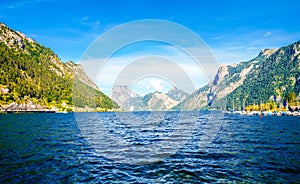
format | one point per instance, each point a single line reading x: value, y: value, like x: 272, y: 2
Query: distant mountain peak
x: 156, y: 100
x: 177, y: 94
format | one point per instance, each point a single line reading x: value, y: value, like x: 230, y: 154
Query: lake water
x: 144, y: 147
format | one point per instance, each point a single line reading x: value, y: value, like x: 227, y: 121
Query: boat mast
x: 280, y: 106
x: 260, y: 106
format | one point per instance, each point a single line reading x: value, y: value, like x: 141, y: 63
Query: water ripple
x: 47, y: 148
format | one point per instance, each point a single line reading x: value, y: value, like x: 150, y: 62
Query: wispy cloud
x: 87, y: 22
x: 245, y: 45
x: 267, y: 34
x: 22, y: 4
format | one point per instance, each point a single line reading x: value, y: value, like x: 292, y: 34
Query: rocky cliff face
x: 177, y: 94
x: 227, y: 79
x: 123, y: 95
x: 197, y: 100
x: 80, y: 74
x: 230, y: 77
x: 14, y: 39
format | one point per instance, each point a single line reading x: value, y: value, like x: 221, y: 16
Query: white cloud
x: 178, y: 70
x: 267, y: 34
x: 87, y: 22
x: 156, y: 84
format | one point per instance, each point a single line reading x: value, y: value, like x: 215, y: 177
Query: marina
x: 264, y: 113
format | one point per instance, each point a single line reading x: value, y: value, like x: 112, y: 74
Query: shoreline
x: 242, y: 113
x: 264, y: 113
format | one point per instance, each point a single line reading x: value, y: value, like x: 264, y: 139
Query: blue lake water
x: 148, y: 147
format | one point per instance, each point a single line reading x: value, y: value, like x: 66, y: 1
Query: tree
x: 291, y: 97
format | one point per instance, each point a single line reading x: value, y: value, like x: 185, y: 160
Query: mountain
x: 196, y: 100
x: 272, y: 79
x: 32, y: 73
x: 177, y: 94
x: 157, y: 101
x: 270, y: 76
x: 123, y: 96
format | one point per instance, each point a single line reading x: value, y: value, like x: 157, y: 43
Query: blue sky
x: 234, y: 30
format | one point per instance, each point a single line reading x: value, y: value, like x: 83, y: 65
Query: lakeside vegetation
x: 291, y: 101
